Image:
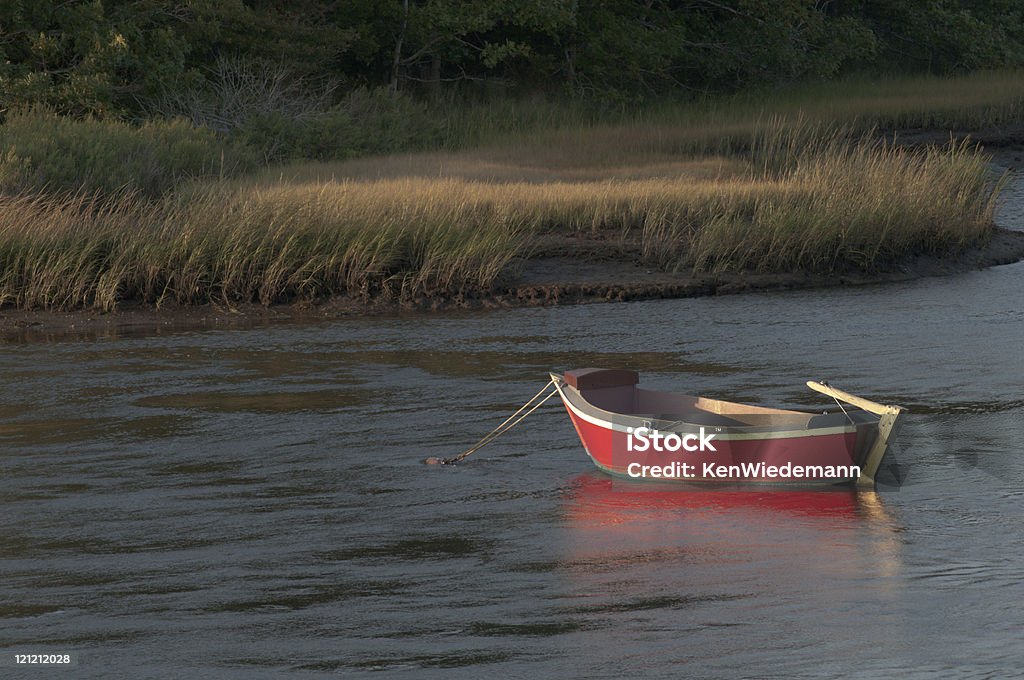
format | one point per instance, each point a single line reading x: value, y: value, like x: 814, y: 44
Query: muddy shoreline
x: 571, y: 273
x: 542, y: 281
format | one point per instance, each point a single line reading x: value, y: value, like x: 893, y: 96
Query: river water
x: 252, y: 503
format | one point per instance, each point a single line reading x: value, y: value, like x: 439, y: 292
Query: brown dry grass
x: 797, y: 191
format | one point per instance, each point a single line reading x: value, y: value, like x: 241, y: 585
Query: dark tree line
x: 115, y: 57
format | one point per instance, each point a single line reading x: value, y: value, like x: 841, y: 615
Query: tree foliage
x: 112, y: 57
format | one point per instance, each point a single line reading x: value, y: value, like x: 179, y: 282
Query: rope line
x: 501, y: 429
x: 839, y: 403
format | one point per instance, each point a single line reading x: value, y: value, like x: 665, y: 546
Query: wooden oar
x: 859, y: 402
x: 889, y: 420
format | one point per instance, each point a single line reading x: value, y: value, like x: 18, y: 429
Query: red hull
x: 609, y: 450
x: 645, y: 434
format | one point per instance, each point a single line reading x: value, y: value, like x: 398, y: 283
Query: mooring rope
x: 839, y: 403
x: 501, y: 429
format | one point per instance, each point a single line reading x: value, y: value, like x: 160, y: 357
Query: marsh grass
x: 861, y: 207
x: 832, y: 205
x: 803, y: 186
x: 228, y: 247
x: 718, y: 124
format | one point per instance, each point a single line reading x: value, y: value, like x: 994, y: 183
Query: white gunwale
x: 605, y: 419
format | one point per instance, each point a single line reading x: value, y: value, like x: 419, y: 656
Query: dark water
x: 251, y: 503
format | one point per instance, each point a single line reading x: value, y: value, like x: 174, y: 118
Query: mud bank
x: 548, y: 279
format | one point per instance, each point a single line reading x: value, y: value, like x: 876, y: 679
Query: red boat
x: 643, y: 434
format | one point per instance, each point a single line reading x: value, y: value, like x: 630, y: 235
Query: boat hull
x: 702, y: 440
x: 814, y: 459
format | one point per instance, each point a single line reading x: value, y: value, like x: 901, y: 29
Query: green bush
x: 277, y: 137
x: 41, y: 151
x: 365, y: 122
x: 389, y: 122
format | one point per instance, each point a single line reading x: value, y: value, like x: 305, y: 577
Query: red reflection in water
x: 836, y: 533
x: 731, y: 574
x: 598, y: 496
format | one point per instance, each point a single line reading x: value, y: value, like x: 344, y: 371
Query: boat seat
x: 697, y: 418
x: 600, y: 378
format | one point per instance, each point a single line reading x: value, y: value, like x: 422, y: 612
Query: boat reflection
x: 706, y: 575
x: 783, y: 534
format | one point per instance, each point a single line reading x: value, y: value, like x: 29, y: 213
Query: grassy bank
x: 727, y: 123
x: 771, y: 184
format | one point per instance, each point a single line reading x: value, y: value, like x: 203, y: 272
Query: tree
x: 452, y: 40
x: 103, y: 57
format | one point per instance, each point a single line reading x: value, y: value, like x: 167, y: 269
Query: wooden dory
x: 637, y: 433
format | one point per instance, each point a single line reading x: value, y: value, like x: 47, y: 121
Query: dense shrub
x: 365, y: 122
x: 40, y: 150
